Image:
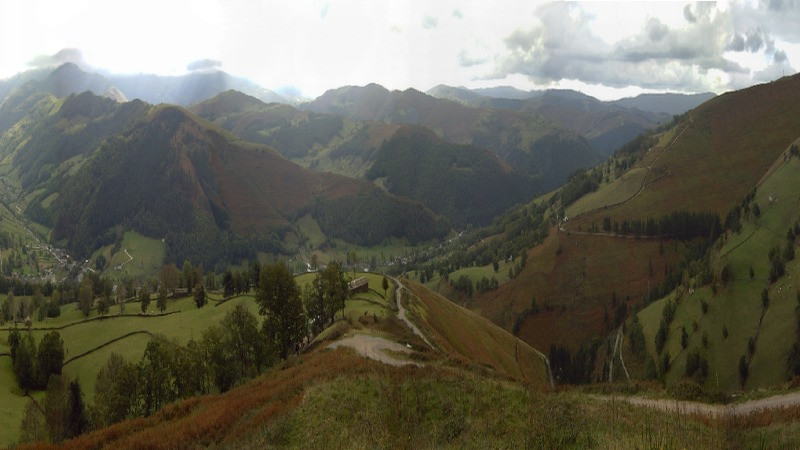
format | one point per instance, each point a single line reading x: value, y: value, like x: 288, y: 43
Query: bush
x: 686, y: 390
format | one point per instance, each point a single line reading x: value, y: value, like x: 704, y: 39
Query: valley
x: 379, y: 267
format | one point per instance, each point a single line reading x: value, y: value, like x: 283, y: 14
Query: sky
x: 606, y: 49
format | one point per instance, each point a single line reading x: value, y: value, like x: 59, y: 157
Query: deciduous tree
x: 278, y: 298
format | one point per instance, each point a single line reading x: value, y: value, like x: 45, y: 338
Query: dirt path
x: 401, y: 313
x: 130, y: 258
x: 687, y: 407
x: 374, y: 347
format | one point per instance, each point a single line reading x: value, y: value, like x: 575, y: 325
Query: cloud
x: 203, y: 64
x: 686, y: 56
x: 465, y: 60
x: 429, y: 22
x: 457, y: 14
x: 687, y: 14
x: 71, y: 55
x: 324, y: 11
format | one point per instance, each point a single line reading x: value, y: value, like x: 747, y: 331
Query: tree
x: 50, y: 357
x: 156, y: 383
x: 187, y: 276
x: 144, y: 298
x: 211, y: 281
x: 765, y: 297
x: 278, y: 298
x: 11, y: 306
x: 76, y: 416
x: 330, y: 293
x: 33, y: 427
x: 23, y: 364
x: 161, y: 300
x: 241, y: 337
x: 227, y: 284
x: 168, y: 276
x: 385, y: 285
x: 115, y: 392
x: 56, y: 409
x: 86, y: 296
x: 121, y: 297
x: 199, y: 295
x: 684, y: 337
x: 744, y: 371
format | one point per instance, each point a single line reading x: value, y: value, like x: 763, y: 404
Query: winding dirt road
x: 375, y: 347
x: 687, y: 407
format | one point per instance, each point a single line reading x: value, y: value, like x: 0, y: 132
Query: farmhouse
x: 358, y: 285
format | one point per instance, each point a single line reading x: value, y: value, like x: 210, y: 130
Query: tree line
x: 677, y: 225
x: 225, y: 355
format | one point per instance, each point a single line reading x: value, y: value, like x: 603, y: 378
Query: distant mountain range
x: 183, y: 90
x: 531, y: 144
x: 605, y: 125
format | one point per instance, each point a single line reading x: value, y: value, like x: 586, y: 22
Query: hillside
x: 466, y: 184
x: 609, y: 258
x: 605, y: 125
x: 498, y: 359
x: 226, y: 193
x: 532, y: 145
x: 463, y: 183
x: 329, y: 397
x: 316, y: 141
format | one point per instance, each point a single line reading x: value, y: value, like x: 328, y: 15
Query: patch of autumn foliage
x: 214, y: 419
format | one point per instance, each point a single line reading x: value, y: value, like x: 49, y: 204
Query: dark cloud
x: 429, y: 22
x: 203, y: 64
x: 752, y: 41
x: 72, y: 55
x: 737, y: 44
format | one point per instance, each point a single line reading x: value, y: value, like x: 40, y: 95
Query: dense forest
x: 466, y: 184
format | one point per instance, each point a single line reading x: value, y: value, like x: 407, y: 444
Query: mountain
x: 466, y: 184
x: 530, y: 144
x: 166, y: 173
x: 672, y: 104
x: 605, y: 125
x: 678, y: 217
x: 182, y: 90
x: 189, y: 89
x: 506, y: 92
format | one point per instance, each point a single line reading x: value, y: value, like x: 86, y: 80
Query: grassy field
x: 737, y: 305
x: 147, y: 254
x: 337, y: 399
x: 470, y: 337
x: 730, y: 143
